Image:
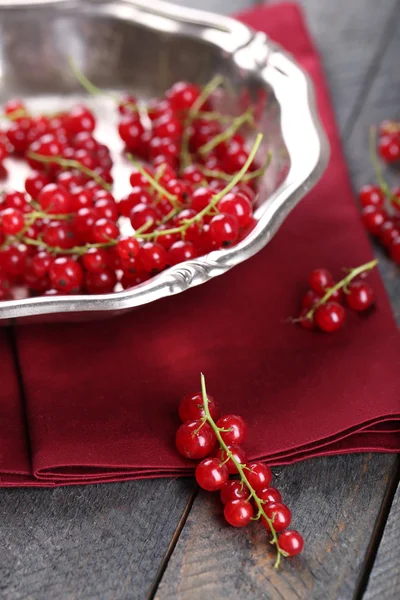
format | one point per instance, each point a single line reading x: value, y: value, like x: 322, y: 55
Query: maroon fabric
x: 101, y: 398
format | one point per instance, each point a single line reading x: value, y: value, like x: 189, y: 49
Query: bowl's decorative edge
x: 288, y: 80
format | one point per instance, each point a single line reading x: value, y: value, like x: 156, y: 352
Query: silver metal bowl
x: 146, y: 46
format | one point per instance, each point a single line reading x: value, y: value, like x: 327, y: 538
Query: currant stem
x: 91, y: 89
x: 70, y: 163
x: 377, y: 168
x: 240, y: 470
x: 342, y: 284
x: 153, y: 182
x: 246, y: 117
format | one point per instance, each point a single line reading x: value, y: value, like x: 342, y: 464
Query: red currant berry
x: 106, y: 209
x: 181, y: 251
x: 201, y: 198
x: 59, y: 234
x: 41, y: 263
x: 236, y: 429
x: 136, y: 178
x: 360, y: 295
x: 17, y: 200
x: 238, y: 206
x: 211, y: 475
x: 35, y: 182
x: 153, y: 257
x: 371, y: 195
x: 55, y: 199
x: 128, y: 247
x: 12, y: 221
x: 167, y: 126
x: 279, y: 514
x: 239, y: 455
x: 192, y: 175
x: 238, y: 513
x: 234, y: 159
x: 269, y: 495
x: 102, y: 282
x: 182, y: 95
x: 95, y: 260
x: 65, y: 274
x: 233, y: 490
x: 13, y: 259
x: 168, y: 239
x: 291, y: 542
x: 310, y: 298
x: 389, y: 148
x: 388, y: 232
x: 81, y: 119
x: 373, y: 218
x: 104, y: 230
x: 195, y: 439
x: 83, y: 223
x: 144, y: 215
x: 330, y: 316
x: 259, y: 475
x: 224, y: 229
x: 127, y: 105
x: 191, y: 407
x: 320, y: 280
x: 130, y: 130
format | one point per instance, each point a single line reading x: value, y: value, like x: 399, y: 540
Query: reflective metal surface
x: 145, y: 47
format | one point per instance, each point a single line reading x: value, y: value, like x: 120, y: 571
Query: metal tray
x: 146, y: 46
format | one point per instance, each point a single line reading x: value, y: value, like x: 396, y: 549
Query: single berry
x: 181, y: 251
x: 279, y: 514
x: 258, y: 475
x: 195, y: 439
x: 389, y: 148
x: 235, y: 429
x: 11, y: 221
x: 371, y: 195
x: 65, y: 274
x: 191, y: 407
x: 211, y: 475
x: 233, y: 490
x: 291, y: 542
x: 360, y: 295
x: 224, y: 229
x: 269, y: 495
x: 320, y: 280
x: 238, y: 513
x: 329, y: 316
x: 239, y: 455
x: 373, y: 218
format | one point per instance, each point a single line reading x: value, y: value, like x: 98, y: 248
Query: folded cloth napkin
x: 100, y: 399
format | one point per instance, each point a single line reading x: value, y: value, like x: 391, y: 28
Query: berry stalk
x: 341, y: 285
x: 246, y: 117
x: 70, y: 163
x: 240, y: 469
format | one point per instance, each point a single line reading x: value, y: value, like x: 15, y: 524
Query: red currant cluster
x: 63, y: 234
x: 381, y: 204
x: 322, y: 305
x: 249, y: 497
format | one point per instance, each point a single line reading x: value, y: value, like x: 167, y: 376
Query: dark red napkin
x: 101, y: 398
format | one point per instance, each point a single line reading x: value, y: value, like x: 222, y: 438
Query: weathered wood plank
x: 333, y: 504
x: 103, y: 541
x: 384, y: 580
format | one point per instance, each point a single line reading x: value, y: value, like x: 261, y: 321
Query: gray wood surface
x: 384, y: 580
x: 117, y: 541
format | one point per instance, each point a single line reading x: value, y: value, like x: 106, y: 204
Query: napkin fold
x: 98, y: 401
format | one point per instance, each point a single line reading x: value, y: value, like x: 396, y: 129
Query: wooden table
x: 164, y: 539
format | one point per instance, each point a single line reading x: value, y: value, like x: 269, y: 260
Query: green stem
x: 341, y: 284
x: 91, y: 89
x: 70, y: 163
x: 210, y: 115
x: 228, y: 132
x: 16, y: 114
x: 153, y: 182
x: 240, y: 469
